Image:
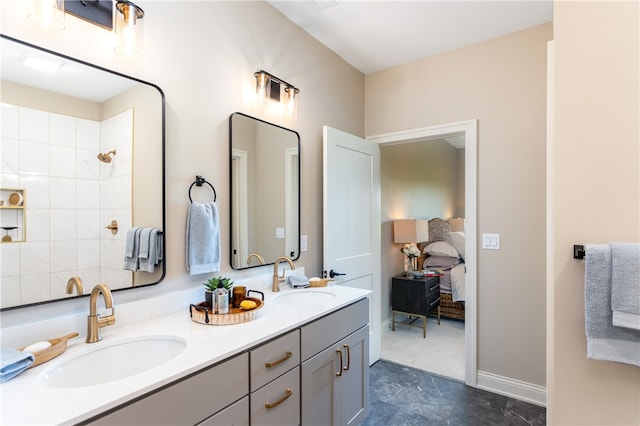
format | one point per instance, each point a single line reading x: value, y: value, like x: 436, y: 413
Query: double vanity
x: 303, y: 361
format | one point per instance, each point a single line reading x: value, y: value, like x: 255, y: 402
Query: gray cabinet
x: 236, y: 414
x: 190, y: 400
x: 335, y: 380
x: 275, y: 381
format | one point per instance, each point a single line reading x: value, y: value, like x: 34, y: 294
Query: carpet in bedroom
x: 441, y: 353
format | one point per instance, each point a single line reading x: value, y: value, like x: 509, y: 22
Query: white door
x: 351, y: 220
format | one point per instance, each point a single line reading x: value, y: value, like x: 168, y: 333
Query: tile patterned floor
x: 401, y: 395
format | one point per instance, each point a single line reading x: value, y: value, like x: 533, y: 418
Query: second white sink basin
x: 304, y: 297
x: 113, y: 362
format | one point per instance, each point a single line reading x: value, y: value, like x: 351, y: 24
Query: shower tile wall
x: 53, y: 157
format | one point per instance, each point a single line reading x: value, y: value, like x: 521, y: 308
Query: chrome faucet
x: 279, y: 279
x: 94, y: 322
x: 75, y: 282
x: 256, y: 256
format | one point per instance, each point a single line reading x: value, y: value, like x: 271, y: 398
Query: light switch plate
x: 279, y: 232
x: 491, y: 241
x: 303, y: 243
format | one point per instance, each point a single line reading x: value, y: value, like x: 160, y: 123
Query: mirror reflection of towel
x: 203, y: 238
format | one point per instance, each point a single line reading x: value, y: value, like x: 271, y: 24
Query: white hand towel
x: 604, y: 341
x: 203, y: 239
x: 625, y: 284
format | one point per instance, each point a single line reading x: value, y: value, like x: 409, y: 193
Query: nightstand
x: 414, y: 297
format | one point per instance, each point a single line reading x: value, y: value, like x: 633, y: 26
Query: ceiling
x: 374, y: 35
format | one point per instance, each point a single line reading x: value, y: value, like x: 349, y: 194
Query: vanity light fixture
x: 269, y: 86
x: 49, y: 14
x: 129, y: 28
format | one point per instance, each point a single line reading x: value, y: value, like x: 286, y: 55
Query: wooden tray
x: 58, y: 346
x: 201, y: 313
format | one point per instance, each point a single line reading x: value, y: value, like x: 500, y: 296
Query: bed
x: 445, y: 253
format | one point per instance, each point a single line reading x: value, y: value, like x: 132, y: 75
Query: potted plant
x: 212, y: 285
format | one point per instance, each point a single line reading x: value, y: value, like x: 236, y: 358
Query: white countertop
x: 25, y: 401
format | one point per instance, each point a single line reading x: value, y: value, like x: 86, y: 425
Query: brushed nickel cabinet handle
x: 280, y: 361
x: 348, y: 357
x: 434, y: 287
x: 339, y: 372
x: 286, y: 395
x: 434, y: 302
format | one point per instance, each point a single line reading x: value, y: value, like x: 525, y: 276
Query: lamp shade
x: 410, y: 231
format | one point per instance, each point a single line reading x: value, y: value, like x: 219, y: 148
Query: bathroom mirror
x: 265, y: 192
x: 84, y: 146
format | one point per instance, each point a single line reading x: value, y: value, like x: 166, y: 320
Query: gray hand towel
x: 604, y: 341
x: 150, y: 239
x: 203, y: 239
x: 625, y: 284
x: 131, y: 249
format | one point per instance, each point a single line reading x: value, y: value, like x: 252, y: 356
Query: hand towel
x: 144, y: 243
x: 625, y: 284
x: 131, y: 249
x: 605, y: 341
x: 203, y: 239
x: 14, y: 362
x: 298, y: 281
x: 150, y: 240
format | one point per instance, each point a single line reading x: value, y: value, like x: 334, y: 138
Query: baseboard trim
x: 512, y: 388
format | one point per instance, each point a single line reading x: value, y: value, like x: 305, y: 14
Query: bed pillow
x: 440, y: 261
x: 457, y: 241
x: 441, y: 248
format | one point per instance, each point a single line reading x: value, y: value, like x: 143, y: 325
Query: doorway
x: 469, y: 131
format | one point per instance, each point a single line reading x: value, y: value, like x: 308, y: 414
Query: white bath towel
x: 203, y: 239
x: 605, y: 341
x: 625, y: 284
x: 131, y: 249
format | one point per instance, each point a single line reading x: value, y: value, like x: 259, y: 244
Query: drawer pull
x: 434, y: 302
x: 286, y: 395
x: 434, y: 287
x: 280, y: 361
x: 339, y: 372
x: 348, y: 357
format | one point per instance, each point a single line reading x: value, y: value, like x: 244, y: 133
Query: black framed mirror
x: 85, y: 147
x: 264, y: 164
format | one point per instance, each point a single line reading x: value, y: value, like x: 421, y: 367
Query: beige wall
x: 595, y: 197
x: 203, y: 54
x: 501, y: 83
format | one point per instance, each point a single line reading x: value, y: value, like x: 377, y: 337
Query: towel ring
x: 198, y: 182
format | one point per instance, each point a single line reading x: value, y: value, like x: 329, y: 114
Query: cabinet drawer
x: 327, y: 330
x: 236, y: 414
x: 278, y: 403
x: 274, y: 358
x: 188, y: 401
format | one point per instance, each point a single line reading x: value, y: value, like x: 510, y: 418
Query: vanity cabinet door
x: 278, y: 403
x: 188, y: 401
x: 236, y: 414
x: 335, y: 383
x: 274, y: 359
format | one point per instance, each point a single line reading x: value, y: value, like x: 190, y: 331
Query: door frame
x: 470, y: 130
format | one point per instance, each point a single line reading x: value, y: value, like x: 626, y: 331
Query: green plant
x: 212, y: 283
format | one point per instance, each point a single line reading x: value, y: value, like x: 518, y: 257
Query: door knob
x: 333, y: 273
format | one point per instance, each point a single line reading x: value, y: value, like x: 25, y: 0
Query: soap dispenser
x: 222, y: 299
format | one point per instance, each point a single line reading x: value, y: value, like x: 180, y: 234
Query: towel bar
x: 578, y: 251
x: 199, y: 182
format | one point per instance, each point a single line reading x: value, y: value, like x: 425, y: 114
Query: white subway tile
x: 63, y: 130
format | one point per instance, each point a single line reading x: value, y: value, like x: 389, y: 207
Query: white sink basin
x: 113, y: 362
x: 304, y: 297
